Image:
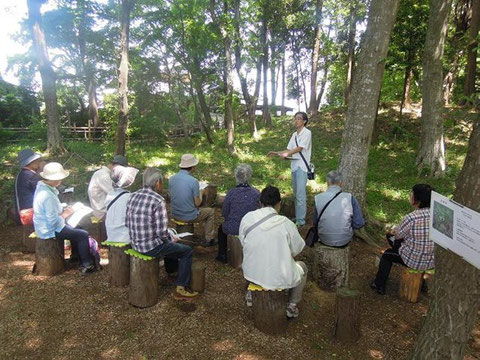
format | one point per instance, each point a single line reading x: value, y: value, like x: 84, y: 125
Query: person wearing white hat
x: 186, y: 197
x: 101, y: 184
x: 27, y: 179
x: 49, y: 215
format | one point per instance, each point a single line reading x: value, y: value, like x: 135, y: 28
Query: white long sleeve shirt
x: 98, y: 188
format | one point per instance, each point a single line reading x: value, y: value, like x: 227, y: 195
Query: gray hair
x: 151, y: 176
x: 243, y: 173
x: 334, y: 177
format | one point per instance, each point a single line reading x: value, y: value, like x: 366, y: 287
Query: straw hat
x: 188, y: 160
x: 54, y: 171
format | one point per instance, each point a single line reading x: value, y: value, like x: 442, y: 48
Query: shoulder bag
x: 310, y: 168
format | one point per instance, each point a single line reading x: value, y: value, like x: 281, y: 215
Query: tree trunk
x: 284, y: 112
x: 228, y: 88
x: 431, y: 153
x: 273, y: 79
x: 471, y: 67
x: 123, y: 79
x: 179, y: 113
x: 54, y: 137
x: 197, y: 113
x: 362, y: 105
x: 352, y: 23
x: 326, y: 65
x: 313, y: 107
x: 456, y: 296
x: 267, y: 120
x: 405, y: 103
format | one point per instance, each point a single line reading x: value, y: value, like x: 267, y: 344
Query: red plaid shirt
x: 416, y: 249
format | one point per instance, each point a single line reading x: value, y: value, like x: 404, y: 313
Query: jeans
x: 299, y: 184
x: 176, y: 252
x: 79, y: 240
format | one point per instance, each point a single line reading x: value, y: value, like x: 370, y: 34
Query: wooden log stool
x: 209, y: 196
x: 29, y: 238
x: 330, y: 266
x: 347, y: 315
x: 143, y: 291
x: 118, y: 263
x: 49, y: 257
x: 101, y: 229
x: 287, y: 207
x: 234, y: 251
x: 269, y: 310
x: 411, y: 283
x: 182, y: 226
x: 198, y: 277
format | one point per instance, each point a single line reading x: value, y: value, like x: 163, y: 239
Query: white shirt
x: 116, y: 214
x: 98, y: 188
x: 268, y: 250
x: 304, y: 140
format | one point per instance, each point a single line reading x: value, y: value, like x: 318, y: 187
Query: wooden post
x: 198, y: 277
x: 102, y: 232
x: 410, y: 285
x: 288, y: 207
x: 28, y: 242
x: 269, y: 311
x: 49, y: 259
x: 143, y: 290
x: 234, y: 251
x: 347, y: 315
x: 209, y: 196
x: 330, y: 266
x: 118, y: 265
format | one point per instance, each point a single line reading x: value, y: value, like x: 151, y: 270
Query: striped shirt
x: 416, y: 249
x: 147, y: 220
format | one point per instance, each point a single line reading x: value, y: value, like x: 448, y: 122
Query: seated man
x: 147, y: 226
x: 270, y: 241
x: 341, y: 213
x: 412, y: 246
x: 101, y: 184
x: 26, y: 181
x: 186, y: 197
x: 116, y: 202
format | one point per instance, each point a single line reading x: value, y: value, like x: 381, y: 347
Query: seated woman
x: 116, y: 203
x: 49, y: 215
x: 239, y: 201
x: 411, y: 246
x: 270, y: 243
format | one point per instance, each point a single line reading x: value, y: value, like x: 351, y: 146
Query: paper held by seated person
x: 455, y: 227
x: 202, y: 185
x: 173, y: 232
x: 79, y: 212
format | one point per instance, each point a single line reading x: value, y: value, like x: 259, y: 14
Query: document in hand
x: 79, y: 211
x: 202, y: 185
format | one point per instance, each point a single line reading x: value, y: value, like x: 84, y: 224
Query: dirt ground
x: 71, y: 316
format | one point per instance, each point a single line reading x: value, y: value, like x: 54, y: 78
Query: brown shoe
x: 183, y: 294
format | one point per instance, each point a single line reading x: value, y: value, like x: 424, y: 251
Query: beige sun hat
x: 54, y: 171
x: 188, y: 160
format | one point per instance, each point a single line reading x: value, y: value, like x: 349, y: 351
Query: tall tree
x: 123, y: 78
x: 431, y: 153
x: 264, y: 40
x: 456, y: 294
x: 313, y: 106
x: 471, y: 67
x: 54, y: 138
x: 362, y: 106
x: 352, y: 24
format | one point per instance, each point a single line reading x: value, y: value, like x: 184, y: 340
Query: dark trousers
x: 175, y: 253
x: 79, y: 241
x: 222, y: 242
x: 389, y: 257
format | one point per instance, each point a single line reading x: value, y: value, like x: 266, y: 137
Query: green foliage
x: 18, y: 106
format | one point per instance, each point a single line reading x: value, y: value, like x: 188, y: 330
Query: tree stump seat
x: 347, y: 315
x: 118, y: 263
x: 49, y: 257
x: 143, y: 291
x: 198, y: 277
x: 209, y: 196
x: 234, y: 251
x: 29, y: 238
x: 269, y: 310
x: 182, y: 226
x: 287, y: 207
x: 411, y: 283
x: 101, y: 229
x: 330, y: 266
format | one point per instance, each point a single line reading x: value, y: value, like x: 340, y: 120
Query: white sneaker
x: 292, y: 311
x: 248, y: 298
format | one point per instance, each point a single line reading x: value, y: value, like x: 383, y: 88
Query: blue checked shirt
x: 147, y: 220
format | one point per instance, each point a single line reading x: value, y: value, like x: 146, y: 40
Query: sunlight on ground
x: 393, y: 194
x: 223, y: 345
x: 246, y: 356
x: 22, y: 263
x: 157, y: 161
x: 376, y: 354
x: 113, y: 353
x: 33, y: 343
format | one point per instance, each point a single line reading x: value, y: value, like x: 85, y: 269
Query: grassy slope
x: 391, y: 174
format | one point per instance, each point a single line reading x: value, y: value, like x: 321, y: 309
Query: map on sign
x: 455, y: 227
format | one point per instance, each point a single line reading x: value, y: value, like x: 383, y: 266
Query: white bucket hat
x: 188, y: 160
x: 54, y: 171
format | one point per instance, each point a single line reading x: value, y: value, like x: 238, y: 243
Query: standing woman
x: 299, y: 148
x: 49, y: 215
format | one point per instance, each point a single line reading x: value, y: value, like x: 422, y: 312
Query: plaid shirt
x: 147, y: 220
x: 416, y: 249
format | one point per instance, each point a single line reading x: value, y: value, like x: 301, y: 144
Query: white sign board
x: 455, y: 227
